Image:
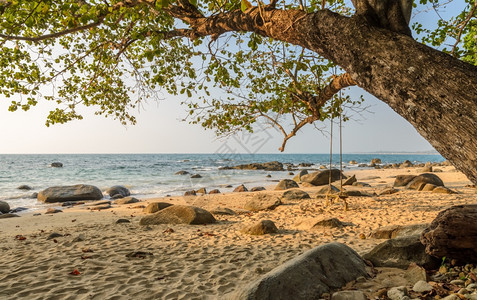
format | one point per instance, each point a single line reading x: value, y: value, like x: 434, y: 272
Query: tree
x: 99, y: 45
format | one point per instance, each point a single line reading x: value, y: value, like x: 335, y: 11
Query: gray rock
x: 307, y: 276
x: 6, y: 216
x: 425, y: 178
x: 398, y: 293
x: 325, y: 190
x: 196, y: 176
x: 70, y: 193
x: 18, y: 209
x: 121, y: 221
x: 400, y: 252
x: 295, y: 194
x: 422, y: 287
x: 155, y: 207
x: 262, y: 202
x: 181, y: 173
x: 24, y: 187
x: 322, y: 177
x: 403, y: 180
x: 260, y: 228
x: 56, y: 165
x: 126, y: 200
x: 54, y: 235
x: 415, y: 273
x: 179, y: 214
x: 394, y: 231
x: 116, y: 190
x: 349, y: 295
x: 4, y: 207
x: 286, y: 184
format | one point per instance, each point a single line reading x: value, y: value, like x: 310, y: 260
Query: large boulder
x: 70, y: 193
x: 268, y: 166
x: 400, y: 253
x: 262, y: 202
x: 453, y: 234
x: 118, y: 191
x: 4, y: 207
x: 179, y: 214
x: 286, y: 184
x: 260, y: 228
x: 295, y: 194
x: 394, y: 231
x: 307, y: 276
x: 403, y: 180
x: 155, y: 207
x: 322, y: 177
x: 424, y: 179
x: 298, y: 176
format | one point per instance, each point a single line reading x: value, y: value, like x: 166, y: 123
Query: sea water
x: 152, y: 175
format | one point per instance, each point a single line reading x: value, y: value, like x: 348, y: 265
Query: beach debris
x: 70, y: 193
x: 121, y: 221
x: 20, y: 237
x: 295, y: 194
x: 120, y: 190
x: 400, y: 252
x: 190, y: 193
x: 4, y: 207
x: 214, y: 191
x: 303, y: 277
x: 322, y: 177
x: 54, y: 235
x: 155, y: 207
x: 262, y: 202
x: 394, y: 231
x: 75, y: 272
x: 260, y: 228
x: 196, y: 176
x: 241, y: 188
x: 56, y: 165
x: 8, y: 215
x: 179, y: 214
x: 222, y: 211
x: 24, y: 187
x: 53, y: 210
x: 182, y: 172
x: 139, y: 254
x: 268, y: 166
x: 452, y: 234
x: 286, y: 184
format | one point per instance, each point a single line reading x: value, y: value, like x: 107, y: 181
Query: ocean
x: 152, y: 175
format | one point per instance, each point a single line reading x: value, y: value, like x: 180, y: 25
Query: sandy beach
x: 88, y: 258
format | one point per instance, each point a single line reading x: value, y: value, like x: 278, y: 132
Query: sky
x: 160, y: 129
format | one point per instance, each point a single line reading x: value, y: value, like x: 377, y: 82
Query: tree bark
x: 432, y: 90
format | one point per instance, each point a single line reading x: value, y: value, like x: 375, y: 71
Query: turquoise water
x: 152, y: 175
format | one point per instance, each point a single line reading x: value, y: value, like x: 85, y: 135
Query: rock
x: 179, y: 214
x: 453, y: 234
x: 305, y: 165
x: 56, y: 165
x: 70, y: 193
x: 398, y: 293
x: 101, y: 202
x: 100, y: 206
x: 361, y: 184
x: 422, y: 287
x: 415, y: 183
x: 353, y: 162
x: 415, y: 273
x: 201, y: 191
x: 79, y: 238
x: 126, y: 200
x: 34, y: 195
x: 376, y: 161
x: 403, y: 180
x: 286, y: 184
x: 442, y: 190
x: 427, y: 169
x: 241, y: 188
x: 214, y: 191
x: 155, y: 207
x: 196, y: 176
x: 349, y: 295
x: 332, y: 223
x: 190, y: 193
x: 325, y: 190
x: 307, y: 276
x: 6, y: 216
x: 260, y: 228
x: 291, y: 173
x: 322, y: 177
x: 24, y: 187
x: 258, y: 189
x: 388, y: 191
x: 298, y: 176
x: 52, y: 210
x: 268, y: 166
x: 262, y: 202
x: 394, y: 231
x: 182, y: 172
x: 122, y: 221
x: 223, y: 211
x: 18, y: 209
x: 356, y: 194
x: 54, y: 235
x: 268, y: 176
x: 400, y: 252
x: 118, y: 190
x: 4, y: 207
x: 350, y: 180
x: 362, y: 166
x: 426, y: 187
x: 295, y: 195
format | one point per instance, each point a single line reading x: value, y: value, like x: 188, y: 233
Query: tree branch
x: 462, y: 27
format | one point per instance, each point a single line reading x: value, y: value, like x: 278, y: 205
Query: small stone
x: 241, y: 188
x: 471, y: 286
x: 54, y: 235
x: 214, y: 191
x: 79, y: 238
x: 422, y: 287
x: 190, y: 193
x: 119, y: 221
x: 458, y: 282
x: 443, y: 269
x: 361, y: 279
x: 398, y: 293
x: 24, y: 187
x: 349, y: 295
x: 52, y: 210
x: 463, y: 291
x: 362, y: 236
x: 37, y: 214
x: 451, y: 297
x: 196, y: 176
